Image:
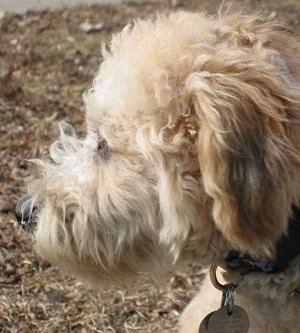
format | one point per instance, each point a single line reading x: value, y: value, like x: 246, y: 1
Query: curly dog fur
x: 192, y: 150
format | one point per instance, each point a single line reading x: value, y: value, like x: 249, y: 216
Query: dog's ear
x: 248, y: 147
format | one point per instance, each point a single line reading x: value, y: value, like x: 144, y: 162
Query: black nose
x: 26, y: 213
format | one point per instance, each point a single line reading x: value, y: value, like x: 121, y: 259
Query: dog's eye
x: 103, y: 149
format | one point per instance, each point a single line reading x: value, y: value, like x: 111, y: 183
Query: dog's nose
x: 26, y: 213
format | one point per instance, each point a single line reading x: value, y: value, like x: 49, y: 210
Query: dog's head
x: 193, y: 149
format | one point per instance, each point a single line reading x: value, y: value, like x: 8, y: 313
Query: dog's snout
x: 25, y: 213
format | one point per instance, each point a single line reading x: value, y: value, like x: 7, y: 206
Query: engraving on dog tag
x: 203, y: 328
x: 222, y: 322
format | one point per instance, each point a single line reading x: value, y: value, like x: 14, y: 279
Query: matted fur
x: 192, y: 149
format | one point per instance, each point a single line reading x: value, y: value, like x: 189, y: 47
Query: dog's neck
x: 287, y: 249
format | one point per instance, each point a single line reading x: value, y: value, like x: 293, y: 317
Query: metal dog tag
x: 223, y: 322
x: 204, y: 323
x: 230, y: 318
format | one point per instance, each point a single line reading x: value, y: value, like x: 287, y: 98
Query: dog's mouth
x: 26, y: 214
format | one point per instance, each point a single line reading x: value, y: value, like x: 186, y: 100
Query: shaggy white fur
x: 192, y: 150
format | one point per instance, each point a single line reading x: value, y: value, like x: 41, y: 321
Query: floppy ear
x: 248, y: 147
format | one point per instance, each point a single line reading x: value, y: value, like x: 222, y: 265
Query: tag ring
x: 214, y: 280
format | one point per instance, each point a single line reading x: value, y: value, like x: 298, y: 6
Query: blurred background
x: 49, y: 54
x: 24, y: 5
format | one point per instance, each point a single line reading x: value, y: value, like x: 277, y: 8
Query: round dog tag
x: 203, y: 328
x: 222, y: 322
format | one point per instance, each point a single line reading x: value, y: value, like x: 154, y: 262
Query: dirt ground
x: 47, y: 60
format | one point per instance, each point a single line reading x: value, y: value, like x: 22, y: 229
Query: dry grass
x: 46, y: 63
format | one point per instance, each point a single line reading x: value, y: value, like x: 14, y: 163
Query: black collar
x: 287, y: 249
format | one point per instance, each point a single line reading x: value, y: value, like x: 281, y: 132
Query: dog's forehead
x: 116, y: 89
x: 141, y: 58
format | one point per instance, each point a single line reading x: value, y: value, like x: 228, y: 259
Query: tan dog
x: 192, y: 151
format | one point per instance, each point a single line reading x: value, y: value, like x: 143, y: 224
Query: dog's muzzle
x: 26, y: 214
